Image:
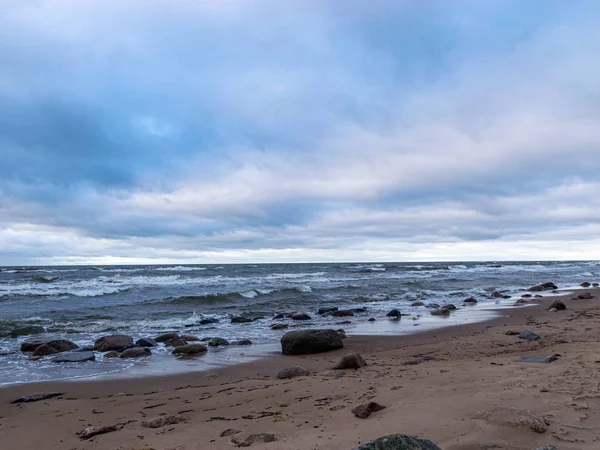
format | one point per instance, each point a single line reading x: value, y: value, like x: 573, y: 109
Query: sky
x: 224, y: 131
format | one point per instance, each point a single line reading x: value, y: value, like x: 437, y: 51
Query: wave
x: 178, y: 269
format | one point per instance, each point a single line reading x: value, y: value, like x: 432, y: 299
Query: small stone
x: 111, y: 354
x: 417, y: 304
x: 371, y: 319
x: 394, y: 314
x: 365, y: 410
x: 229, y: 432
x: 449, y: 306
x: 585, y: 284
x: 244, y: 342
x: 301, y: 317
x: 218, y: 342
x: 208, y: 321
x: 190, y: 349
x: 350, y: 361
x: 259, y: 438
x: 497, y: 294
x: 162, y: 421
x: 240, y: 319
x: 585, y: 296
x: 471, y: 300
x: 292, y: 372
x: 530, y: 336
x: 279, y: 326
x: 558, y: 305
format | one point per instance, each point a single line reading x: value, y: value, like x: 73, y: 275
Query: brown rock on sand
x: 259, y: 438
x: 351, y: 361
x: 365, y: 410
x: 292, y: 372
x: 585, y: 296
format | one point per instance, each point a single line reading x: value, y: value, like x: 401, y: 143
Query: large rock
x: 399, y: 442
x: 585, y: 296
x: 558, y: 305
x: 300, y: 316
x: 74, y: 357
x: 175, y: 342
x: 167, y: 337
x: 136, y: 352
x: 394, y: 314
x: 351, y: 361
x: 190, y: 338
x: 292, y: 372
x: 218, y: 342
x: 322, y: 311
x: 113, y: 342
x: 30, y: 346
x: 470, y: 300
x: 529, y: 335
x: 440, y: 312
x: 585, y: 284
x: 146, y: 342
x: 53, y: 347
x: 190, y: 349
x: 310, y: 341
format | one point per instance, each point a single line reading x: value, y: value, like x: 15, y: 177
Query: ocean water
x: 83, y: 303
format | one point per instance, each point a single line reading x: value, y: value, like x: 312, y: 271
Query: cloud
x: 237, y: 131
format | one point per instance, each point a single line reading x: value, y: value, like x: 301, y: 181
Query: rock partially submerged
x: 30, y: 346
x: 136, y: 352
x: 310, y: 341
x: 218, y: 342
x: 341, y: 313
x: 75, y: 357
x: 366, y: 409
x: 54, y: 347
x: 470, y: 301
x: 146, y: 342
x: 322, y: 311
x: 190, y: 349
x: 399, y: 442
x: 394, y: 314
x: 543, y: 287
x: 113, y: 342
x: 240, y: 319
x: 25, y: 331
x: 292, y: 372
x: 166, y: 337
x: 351, y: 361
x: 300, y: 316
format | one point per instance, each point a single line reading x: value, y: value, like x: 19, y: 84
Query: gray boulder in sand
x: 529, y: 335
x: 292, y: 372
x: 190, y: 349
x: 310, y: 341
x: 351, y: 361
x: 399, y: 442
x: 73, y: 357
x: 537, y: 359
x: 53, y: 347
x: 136, y: 352
x: 585, y: 296
x: 113, y: 342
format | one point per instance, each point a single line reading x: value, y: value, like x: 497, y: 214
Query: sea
x: 83, y: 303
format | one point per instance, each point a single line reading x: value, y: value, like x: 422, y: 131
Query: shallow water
x: 83, y: 303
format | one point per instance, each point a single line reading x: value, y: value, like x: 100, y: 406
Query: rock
x: 342, y: 313
x: 585, y: 296
x: 30, y: 346
x: 558, y: 305
x: 279, y: 317
x: 25, y: 331
x: 332, y: 374
x: 449, y: 306
x: 240, y: 319
x: 342, y: 333
x: 45, y: 279
x: 418, y: 304
x: 514, y: 417
x: 190, y: 349
x: 279, y: 326
x: 301, y: 317
x: 254, y: 319
x: 526, y: 296
x: 497, y: 294
x: 113, y: 342
x: 90, y: 432
x: 371, y: 319
x: 146, y: 342
x: 433, y: 306
x: 229, y: 432
x: 259, y: 438
x: 471, y: 300
x: 351, y: 361
x: 111, y: 354
x: 310, y: 341
x: 136, y: 352
x: 244, y: 342
x: 595, y: 284
x: 75, y: 357
x: 167, y: 337
x: 530, y: 336
x: 208, y: 321
x: 37, y: 397
x: 53, y: 347
x: 399, y: 442
x: 175, y: 343
x: 394, y: 313
x: 537, y: 359
x: 162, y: 421
x: 543, y: 287
x: 440, y: 312
x: 585, y: 284
x: 292, y: 372
x: 366, y: 409
x: 218, y: 342
x: 190, y: 338
x: 359, y: 310
x: 322, y: 311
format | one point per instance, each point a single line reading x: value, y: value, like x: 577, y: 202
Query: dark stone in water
x: 585, y: 284
x: 240, y: 319
x: 190, y: 349
x: 111, y: 354
x: 440, y: 312
x: 359, y: 310
x: 537, y: 359
x: 371, y: 319
x: 279, y: 317
x: 543, y: 287
x: 449, y: 306
x: 301, y: 316
x: 394, y: 313
x: 167, y: 337
x: 37, y: 398
x: 279, y: 326
x: 310, y: 341
x: 530, y: 336
x: 399, y: 442
x: 175, y: 343
x: 45, y: 279
x: 471, y: 300
x: 30, y: 346
x: 322, y: 311
x: 417, y: 304
x: 341, y: 313
x: 25, y: 331
x: 113, y: 342
x: 75, y: 357
x: 53, y: 347
x: 136, y: 352
x: 146, y: 342
x: 87, y: 348
x: 218, y: 342
x: 208, y: 321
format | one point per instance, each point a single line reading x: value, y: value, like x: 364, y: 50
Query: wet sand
x: 461, y: 400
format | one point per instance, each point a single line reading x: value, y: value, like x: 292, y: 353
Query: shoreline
x: 474, y: 370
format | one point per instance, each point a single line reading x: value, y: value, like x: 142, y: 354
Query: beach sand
x: 472, y: 396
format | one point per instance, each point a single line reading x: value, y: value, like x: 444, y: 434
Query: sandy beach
x: 458, y: 386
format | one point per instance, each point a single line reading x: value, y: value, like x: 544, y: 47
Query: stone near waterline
x: 585, y: 284
x: 240, y: 319
x: 394, y: 314
x: 146, y: 342
x: 341, y: 313
x: 350, y: 361
x: 166, y: 337
x: 417, y: 304
x: 111, y: 354
x: 175, y: 342
x: 449, y: 306
x: 218, y: 342
x: 538, y: 296
x: 537, y: 359
x: 279, y: 317
x: 113, y: 342
x: 322, y: 311
x: 585, y: 296
x: 365, y: 410
x: 310, y: 341
x: 359, y: 310
x: 55, y: 346
x: 25, y: 331
x: 342, y: 334
x: 208, y: 321
x: 254, y: 319
x: 190, y: 349
x: 292, y: 372
x: 75, y: 357
x: 300, y: 316
x: 372, y: 319
x: 279, y: 326
x: 440, y: 312
x: 399, y: 442
x: 526, y: 296
x: 244, y: 342
x: 30, y: 346
x: 190, y: 338
x: 37, y: 397
x: 258, y: 438
x: 433, y: 306
x: 470, y: 300
x: 543, y: 287
x: 497, y: 294
x: 162, y: 421
x: 136, y: 352
x: 46, y: 279
x: 558, y: 305
x: 529, y: 335
x: 595, y: 284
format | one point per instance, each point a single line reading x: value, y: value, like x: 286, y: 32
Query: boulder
x: 399, y: 442
x: 30, y: 346
x: 585, y: 284
x: 53, y: 347
x: 111, y: 354
x: 341, y: 313
x: 394, y: 314
x: 322, y: 311
x: 417, y: 304
x: 471, y: 300
x: 190, y: 338
x: 543, y: 287
x: 208, y: 321
x: 176, y: 342
x: 113, y: 342
x: 595, y: 284
x: 449, y: 306
x: 342, y: 333
x: 146, y: 342
x: 136, y: 352
x: 190, y: 349
x: 440, y: 312
x: 292, y: 372
x: 558, y: 305
x: 71, y: 357
x: 366, y: 409
x: 218, y: 342
x: 279, y: 326
x: 585, y: 296
x: 240, y: 319
x: 244, y: 342
x: 310, y: 341
x: 25, y: 331
x: 530, y: 336
x: 167, y: 337
x: 300, y: 316
x: 371, y: 319
x: 497, y: 294
x: 351, y: 361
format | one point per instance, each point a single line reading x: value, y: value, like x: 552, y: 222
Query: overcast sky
x: 197, y: 131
